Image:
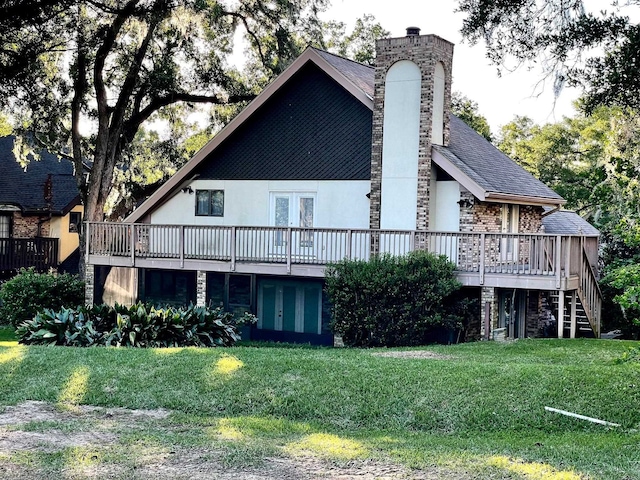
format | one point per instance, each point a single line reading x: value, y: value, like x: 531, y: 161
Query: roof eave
x: 458, y: 175
x: 523, y: 199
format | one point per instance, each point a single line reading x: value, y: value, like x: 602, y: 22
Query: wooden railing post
x: 558, y: 264
x: 567, y: 259
x: 87, y: 241
x: 181, y: 246
x: 348, y: 250
x: 233, y: 249
x: 482, y: 257
x: 132, y: 243
x: 289, y: 250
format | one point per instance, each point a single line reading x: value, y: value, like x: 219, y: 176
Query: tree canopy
x: 84, y: 77
x: 594, y: 163
x: 593, y: 50
x: 468, y: 111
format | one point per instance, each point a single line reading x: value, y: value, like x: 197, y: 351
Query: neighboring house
x: 337, y: 160
x: 40, y: 213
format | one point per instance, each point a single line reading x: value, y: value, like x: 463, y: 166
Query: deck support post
x: 574, y: 307
x: 201, y: 288
x: 487, y: 305
x: 560, y: 313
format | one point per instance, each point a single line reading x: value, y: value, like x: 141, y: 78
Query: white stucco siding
x: 447, y: 208
x: 437, y: 117
x: 337, y: 203
x: 401, y: 133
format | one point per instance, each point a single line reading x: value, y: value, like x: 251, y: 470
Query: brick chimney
x: 412, y: 102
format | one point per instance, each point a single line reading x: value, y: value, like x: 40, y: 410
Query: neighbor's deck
x: 532, y: 261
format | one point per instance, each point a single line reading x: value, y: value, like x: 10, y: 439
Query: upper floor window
x: 75, y: 222
x: 210, y: 203
x: 5, y: 226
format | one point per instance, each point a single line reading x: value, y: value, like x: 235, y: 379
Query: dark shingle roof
x: 491, y: 169
x: 362, y: 76
x: 470, y: 152
x: 25, y: 188
x: 310, y: 129
x: 566, y: 222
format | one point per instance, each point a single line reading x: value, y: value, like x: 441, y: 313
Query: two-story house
x: 40, y: 213
x: 334, y: 160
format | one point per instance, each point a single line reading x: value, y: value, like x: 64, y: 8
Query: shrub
x: 621, y: 291
x: 137, y: 326
x: 393, y: 301
x: 29, y: 293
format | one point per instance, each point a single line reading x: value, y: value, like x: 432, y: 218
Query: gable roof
x: 567, y: 222
x: 24, y: 188
x: 490, y: 174
x: 470, y: 159
x: 290, y: 138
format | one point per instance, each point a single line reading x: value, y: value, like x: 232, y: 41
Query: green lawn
x: 480, y: 411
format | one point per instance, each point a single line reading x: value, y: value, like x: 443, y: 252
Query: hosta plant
x: 137, y: 326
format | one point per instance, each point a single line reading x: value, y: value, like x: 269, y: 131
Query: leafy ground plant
x: 137, y: 326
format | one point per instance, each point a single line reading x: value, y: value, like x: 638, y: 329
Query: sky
x: 499, y: 98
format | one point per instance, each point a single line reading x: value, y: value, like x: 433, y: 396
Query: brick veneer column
x: 488, y: 294
x: 425, y: 51
x: 89, y: 284
x: 201, y: 288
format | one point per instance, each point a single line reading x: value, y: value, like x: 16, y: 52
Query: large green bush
x: 394, y: 301
x: 137, y: 326
x: 29, y: 292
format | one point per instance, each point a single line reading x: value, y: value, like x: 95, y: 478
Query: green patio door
x: 290, y: 306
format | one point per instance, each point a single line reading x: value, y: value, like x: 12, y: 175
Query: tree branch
x: 156, y: 104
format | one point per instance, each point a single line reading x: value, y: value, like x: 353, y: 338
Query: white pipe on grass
x: 581, y: 417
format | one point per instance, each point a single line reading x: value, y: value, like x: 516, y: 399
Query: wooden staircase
x: 588, y: 298
x: 583, y: 326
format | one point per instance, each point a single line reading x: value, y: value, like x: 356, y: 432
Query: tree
x: 593, y: 50
x: 360, y: 44
x: 467, y: 110
x: 85, y: 76
x: 593, y: 162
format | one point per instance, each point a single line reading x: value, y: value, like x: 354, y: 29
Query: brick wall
x: 425, y: 51
x: 530, y: 219
x: 488, y: 294
x: 487, y: 217
x: 27, y: 227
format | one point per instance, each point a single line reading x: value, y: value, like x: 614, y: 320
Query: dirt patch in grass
x: 97, y: 432
x: 418, y: 354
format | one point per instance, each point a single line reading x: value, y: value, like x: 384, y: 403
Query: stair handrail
x: 590, y: 293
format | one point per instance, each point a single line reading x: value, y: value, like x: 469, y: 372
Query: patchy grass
x: 475, y: 409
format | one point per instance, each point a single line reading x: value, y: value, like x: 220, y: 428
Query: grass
x: 480, y: 411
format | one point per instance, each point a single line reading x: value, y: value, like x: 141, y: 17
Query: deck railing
x: 40, y: 253
x: 522, y: 254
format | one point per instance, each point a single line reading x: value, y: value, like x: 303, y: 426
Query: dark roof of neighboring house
x: 290, y: 138
x: 487, y: 166
x: 567, y: 222
x: 24, y: 188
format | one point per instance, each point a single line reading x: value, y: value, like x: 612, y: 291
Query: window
x: 75, y: 222
x: 5, y: 226
x: 289, y: 209
x: 210, y: 203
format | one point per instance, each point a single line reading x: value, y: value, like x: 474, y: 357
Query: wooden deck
x: 521, y: 261
x: 40, y: 253
x: 534, y: 261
